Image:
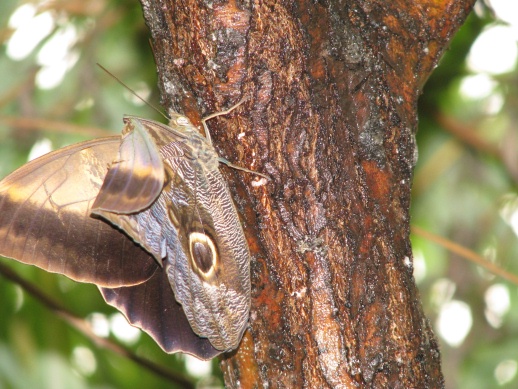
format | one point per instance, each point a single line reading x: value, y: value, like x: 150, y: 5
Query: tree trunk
x: 330, y: 117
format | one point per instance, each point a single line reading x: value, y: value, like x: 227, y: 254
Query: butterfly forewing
x: 45, y: 218
x: 136, y: 178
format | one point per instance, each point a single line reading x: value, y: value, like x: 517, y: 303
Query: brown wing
x: 136, y: 178
x: 152, y: 307
x: 45, y: 219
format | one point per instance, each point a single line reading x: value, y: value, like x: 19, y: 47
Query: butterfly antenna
x: 133, y: 92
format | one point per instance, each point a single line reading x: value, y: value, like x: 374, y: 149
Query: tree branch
x: 466, y: 254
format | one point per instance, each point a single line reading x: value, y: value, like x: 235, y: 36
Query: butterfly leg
x: 207, y: 136
x: 216, y: 114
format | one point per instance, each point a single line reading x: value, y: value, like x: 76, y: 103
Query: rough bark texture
x: 332, y: 88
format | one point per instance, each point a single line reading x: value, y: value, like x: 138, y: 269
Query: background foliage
x: 464, y: 191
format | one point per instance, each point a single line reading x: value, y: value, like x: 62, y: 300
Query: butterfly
x: 148, y: 218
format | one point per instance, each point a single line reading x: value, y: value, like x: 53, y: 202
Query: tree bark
x: 332, y: 89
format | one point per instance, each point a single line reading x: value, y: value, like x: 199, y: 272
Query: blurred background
x: 464, y: 209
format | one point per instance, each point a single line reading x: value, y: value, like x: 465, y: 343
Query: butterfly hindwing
x: 152, y: 307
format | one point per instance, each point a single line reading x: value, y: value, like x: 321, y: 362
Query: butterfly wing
x: 45, y: 218
x: 210, y: 276
x: 136, y: 178
x: 194, y: 225
x: 152, y: 307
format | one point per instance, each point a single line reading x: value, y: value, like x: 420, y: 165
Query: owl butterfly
x: 149, y: 219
